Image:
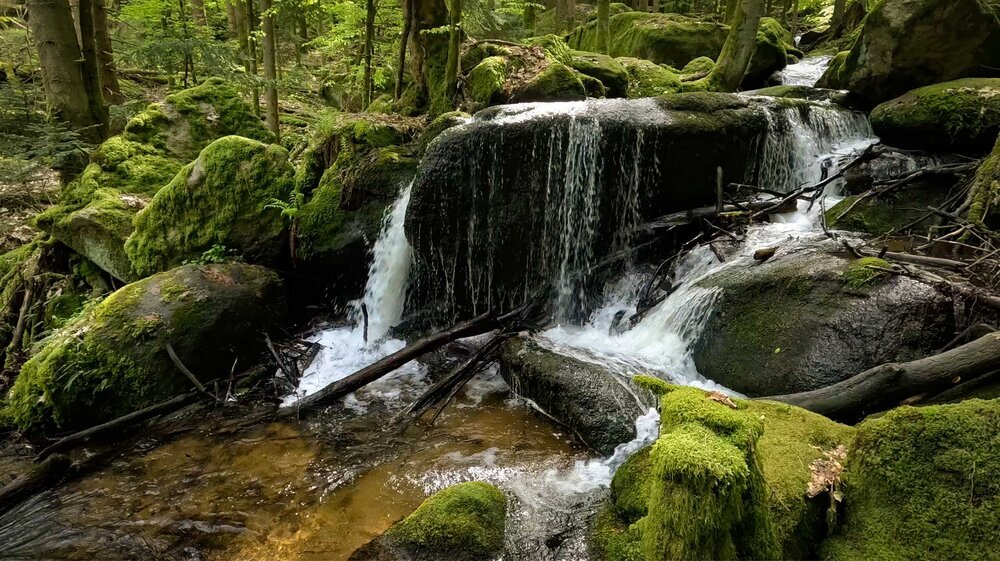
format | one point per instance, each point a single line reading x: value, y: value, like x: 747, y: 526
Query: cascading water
x: 806, y: 72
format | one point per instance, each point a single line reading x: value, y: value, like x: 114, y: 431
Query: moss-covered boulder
x: 922, y: 483
x: 590, y: 399
x: 222, y: 198
x: 647, y: 79
x: 610, y: 72
x: 906, y: 44
x: 113, y: 360
x: 985, y: 196
x: 958, y: 116
x: 700, y: 65
x: 675, y: 40
x: 95, y: 210
x: 353, y: 169
x: 726, y: 479
x: 464, y: 522
x: 485, y: 83
x: 803, y: 320
x: 557, y: 82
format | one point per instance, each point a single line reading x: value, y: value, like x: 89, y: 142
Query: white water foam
x: 344, y: 350
x: 806, y: 72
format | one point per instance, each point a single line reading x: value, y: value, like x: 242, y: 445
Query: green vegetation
x: 465, y: 521
x: 866, y: 271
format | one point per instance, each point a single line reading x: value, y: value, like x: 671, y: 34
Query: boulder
x: 557, y: 82
x: 921, y: 483
x: 464, y: 522
x: 700, y: 65
x: 726, y: 479
x: 806, y: 319
x: 485, y: 83
x: 112, y: 360
x: 906, y: 44
x: 899, y: 208
x: 597, y: 404
x: 676, y: 40
x: 647, y: 79
x: 959, y: 116
x: 223, y: 198
x: 610, y: 72
x: 128, y: 169
x: 985, y: 196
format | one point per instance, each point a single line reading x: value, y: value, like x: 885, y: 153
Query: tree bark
x: 886, y: 386
x: 604, y: 26
x: 643, y: 6
x: 530, y: 18
x: 105, y: 55
x: 454, y: 46
x: 198, y: 13
x: 429, y: 54
x: 731, y: 7
x: 232, y: 19
x: 59, y: 55
x: 252, y: 54
x: 270, y: 70
x: 837, y: 22
x: 404, y: 43
x: 91, y: 70
x: 366, y: 95
x: 736, y: 53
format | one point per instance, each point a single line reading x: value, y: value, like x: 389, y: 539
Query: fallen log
x: 888, y: 385
x: 340, y: 388
x: 41, y: 476
x: 688, y: 216
x: 114, y: 425
x: 917, y: 259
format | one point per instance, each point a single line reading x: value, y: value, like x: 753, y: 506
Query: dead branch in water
x: 40, y: 477
x: 889, y: 385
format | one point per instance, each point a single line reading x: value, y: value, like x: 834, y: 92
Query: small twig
x: 190, y: 375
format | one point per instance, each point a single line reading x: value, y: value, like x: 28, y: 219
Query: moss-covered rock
x: 723, y: 481
x: 113, y: 360
x: 985, y: 196
x: 881, y: 214
x: 440, y: 124
x: 958, y: 116
x: 557, y: 82
x: 906, y: 44
x: 646, y: 79
x: 464, y: 522
x: 797, y: 322
x: 611, y: 73
x: 222, y: 198
x: 700, y: 65
x: 922, y: 483
x: 485, y: 83
x: 770, y: 52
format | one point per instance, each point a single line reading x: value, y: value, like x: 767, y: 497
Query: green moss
x: 466, y: 519
x: 700, y: 65
x: 653, y: 385
x: 611, y: 73
x: 557, y: 82
x: 440, y: 124
x: 962, y: 115
x: 485, y: 83
x: 770, y: 53
x: 554, y: 45
x: 922, y: 483
x: 985, y: 196
x: 111, y: 360
x: 865, y: 272
x: 647, y: 79
x: 720, y: 483
x: 221, y: 198
x: 660, y: 38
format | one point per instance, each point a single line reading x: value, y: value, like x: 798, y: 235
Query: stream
x: 320, y: 488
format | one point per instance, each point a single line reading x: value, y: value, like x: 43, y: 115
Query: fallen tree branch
x: 477, y: 326
x: 41, y: 476
x: 886, y: 386
x: 190, y: 375
x: 917, y: 259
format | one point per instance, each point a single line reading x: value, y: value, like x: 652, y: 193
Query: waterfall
x: 344, y: 350
x: 806, y: 72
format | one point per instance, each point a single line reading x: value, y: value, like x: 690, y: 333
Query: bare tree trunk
x: 105, y: 55
x: 91, y: 69
x: 731, y: 8
x: 366, y: 95
x: 837, y: 22
x: 232, y: 19
x: 454, y: 46
x: 270, y: 70
x: 735, y: 57
x: 530, y: 18
x: 604, y: 26
x: 198, y: 13
x: 252, y: 54
x: 795, y: 17
x: 656, y: 6
x: 429, y: 52
x: 403, y: 44
x: 565, y: 14
x: 644, y: 6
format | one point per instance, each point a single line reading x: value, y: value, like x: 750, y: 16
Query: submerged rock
x: 724, y: 480
x: 112, y: 360
x: 905, y: 44
x: 921, y: 483
x: 220, y: 199
x: 958, y: 116
x: 595, y: 403
x: 464, y: 522
x: 806, y: 320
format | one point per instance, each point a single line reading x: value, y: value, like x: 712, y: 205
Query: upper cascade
x: 552, y: 196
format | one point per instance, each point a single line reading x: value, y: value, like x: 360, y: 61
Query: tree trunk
x: 270, y: 70
x: 59, y: 55
x: 795, y: 17
x: 731, y: 8
x: 366, y: 95
x: 91, y: 70
x: 232, y: 20
x: 837, y: 22
x: 404, y: 42
x: 887, y: 386
x: 252, y: 54
x: 604, y: 26
x: 530, y: 18
x: 429, y: 53
x: 105, y: 55
x: 644, y: 6
x: 198, y: 13
x: 454, y: 46
x: 739, y: 47
x: 565, y: 14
